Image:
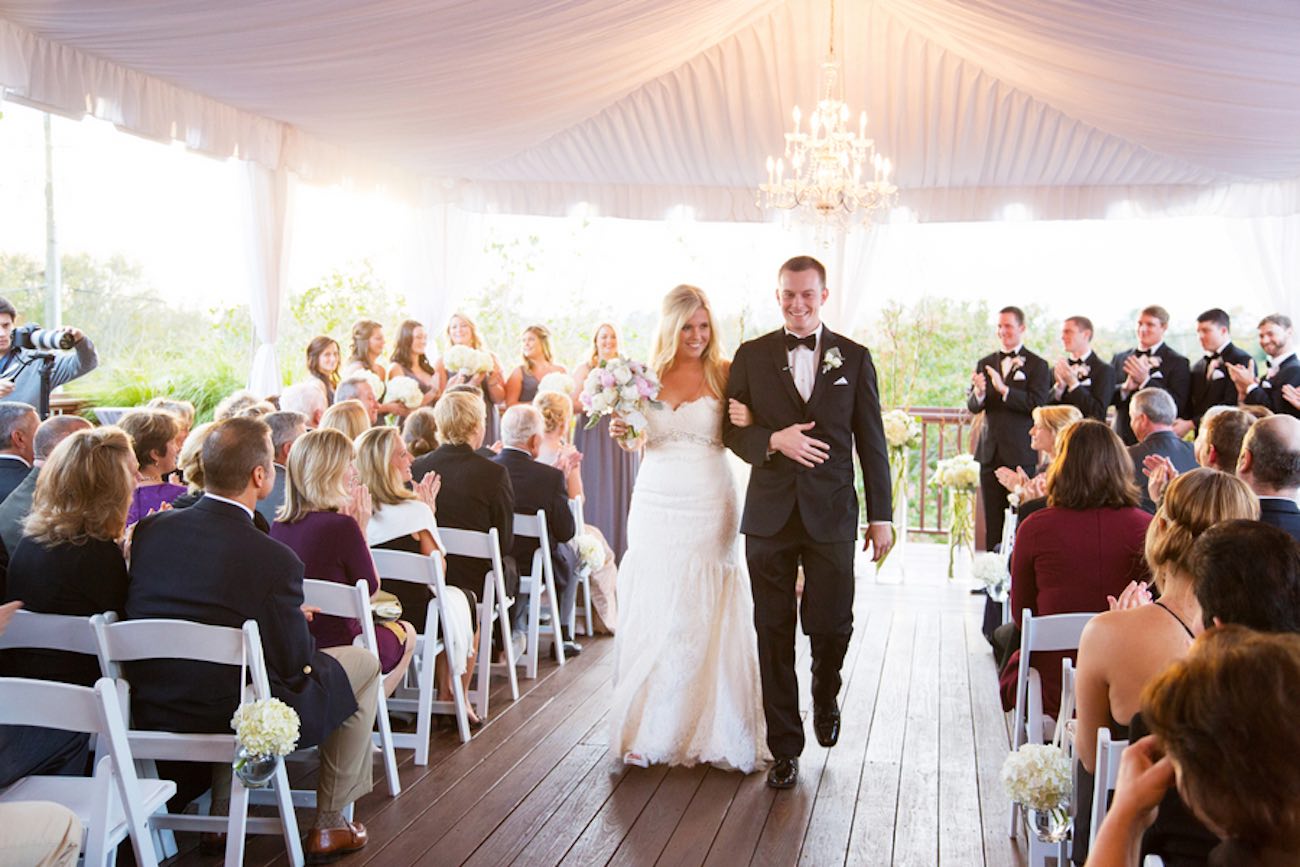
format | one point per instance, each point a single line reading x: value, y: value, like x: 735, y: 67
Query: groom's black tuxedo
x: 805, y: 516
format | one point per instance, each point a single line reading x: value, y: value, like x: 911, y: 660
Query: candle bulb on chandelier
x: 862, y: 125
x: 886, y: 169
x: 780, y: 170
x: 797, y: 117
x: 771, y: 167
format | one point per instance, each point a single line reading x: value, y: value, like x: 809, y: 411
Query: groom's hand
x: 795, y: 445
x: 881, y: 538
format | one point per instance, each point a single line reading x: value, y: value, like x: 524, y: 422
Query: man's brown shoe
x: 328, y: 844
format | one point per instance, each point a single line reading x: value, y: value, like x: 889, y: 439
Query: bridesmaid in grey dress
x: 535, y: 349
x: 461, y: 331
x: 608, y: 472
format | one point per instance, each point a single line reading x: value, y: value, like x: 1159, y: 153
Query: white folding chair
x: 541, y: 577
x: 113, y: 804
x: 494, y: 605
x: 36, y: 631
x: 1010, y: 520
x: 1104, y: 780
x: 420, y: 698
x: 136, y: 640
x: 342, y: 600
x: 582, y: 603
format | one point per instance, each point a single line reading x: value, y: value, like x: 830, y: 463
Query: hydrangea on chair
x: 1037, y: 777
x: 960, y: 475
x: 266, y: 730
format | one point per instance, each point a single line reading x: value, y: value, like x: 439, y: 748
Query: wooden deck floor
x: 913, y: 780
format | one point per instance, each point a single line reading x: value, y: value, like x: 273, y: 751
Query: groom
x: 813, y: 397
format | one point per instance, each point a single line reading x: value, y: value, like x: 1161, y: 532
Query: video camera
x: 35, y: 337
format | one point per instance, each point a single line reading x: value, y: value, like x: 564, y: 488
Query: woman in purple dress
x: 156, y: 438
x: 323, y: 520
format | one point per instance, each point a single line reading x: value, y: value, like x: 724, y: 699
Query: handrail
x: 945, y: 431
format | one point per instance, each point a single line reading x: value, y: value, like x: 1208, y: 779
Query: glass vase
x: 254, y: 771
x: 1052, y: 825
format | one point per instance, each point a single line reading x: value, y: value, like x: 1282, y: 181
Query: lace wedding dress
x: 687, y: 685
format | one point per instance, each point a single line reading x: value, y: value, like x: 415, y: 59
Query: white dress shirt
x: 803, y: 365
x: 212, y: 496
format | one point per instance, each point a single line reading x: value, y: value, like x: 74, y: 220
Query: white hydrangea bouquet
x: 591, y: 554
x: 1037, y: 777
x: 960, y: 475
x: 266, y: 730
x: 376, y: 384
x: 466, y: 361
x: 623, y: 388
x: 902, y: 434
x: 991, y: 570
x: 404, y: 390
x: 558, y: 382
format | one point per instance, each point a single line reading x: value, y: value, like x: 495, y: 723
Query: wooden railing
x: 945, y: 431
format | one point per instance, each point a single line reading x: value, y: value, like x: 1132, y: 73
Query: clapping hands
x: 1135, y: 595
x: 1242, y: 377
x: 1160, y: 471
x: 426, y: 491
x: 1291, y: 395
x: 359, y: 505
x: 1064, y: 374
x: 1138, y: 370
x: 995, y: 380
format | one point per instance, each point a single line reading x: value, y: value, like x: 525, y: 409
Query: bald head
x: 1270, y: 457
x: 55, y: 430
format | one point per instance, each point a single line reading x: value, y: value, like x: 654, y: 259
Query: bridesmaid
x: 535, y: 347
x: 461, y: 332
x: 409, y: 359
x: 608, y: 471
x: 367, y: 347
x: 323, y: 364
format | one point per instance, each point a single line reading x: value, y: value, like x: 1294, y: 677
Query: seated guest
x: 285, y: 428
x: 359, y: 389
x: 18, y: 423
x: 403, y: 520
x: 1049, y: 422
x: 349, y: 417
x: 538, y: 487
x: 420, y: 433
x: 182, y: 409
x: 153, y: 434
x: 1121, y: 651
x: 1152, y: 413
x: 323, y: 520
x: 1219, y: 437
x: 233, y: 573
x: 1270, y: 465
x: 242, y: 403
x: 1224, y: 733
x: 307, y: 398
x: 190, y: 462
x: 474, y: 492
x: 16, y: 506
x: 1084, y: 547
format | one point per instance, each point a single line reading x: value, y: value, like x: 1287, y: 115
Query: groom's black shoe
x: 826, y: 723
x: 783, y: 774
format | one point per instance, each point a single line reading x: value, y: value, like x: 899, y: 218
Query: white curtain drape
x: 1271, y: 246
x: 268, y: 201
x: 438, y: 256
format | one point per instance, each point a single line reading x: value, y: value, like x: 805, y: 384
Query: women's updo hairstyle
x: 190, y: 459
x: 420, y: 433
x: 1194, y: 502
x: 556, y: 410
x: 84, y: 489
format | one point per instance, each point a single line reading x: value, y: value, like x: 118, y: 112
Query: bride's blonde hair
x: 680, y: 305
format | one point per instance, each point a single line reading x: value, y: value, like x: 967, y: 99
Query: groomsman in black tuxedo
x: 1282, y: 375
x: 1211, y: 384
x: 1151, y: 364
x: 1083, y: 380
x: 1006, y: 385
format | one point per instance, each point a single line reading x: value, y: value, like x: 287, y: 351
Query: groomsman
x: 1006, y: 385
x: 1211, y: 385
x: 1282, y: 376
x: 1083, y: 380
x: 1151, y: 364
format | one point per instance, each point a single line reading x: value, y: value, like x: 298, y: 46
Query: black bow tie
x: 1015, y: 354
x: 791, y: 341
x: 1078, y: 362
x: 1212, y: 356
x: 1145, y: 353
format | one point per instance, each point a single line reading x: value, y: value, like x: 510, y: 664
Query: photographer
x: 20, y: 362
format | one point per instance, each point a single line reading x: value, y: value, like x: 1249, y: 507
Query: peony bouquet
x: 466, y: 361
x: 404, y: 390
x: 961, y: 476
x: 558, y: 382
x: 591, y: 554
x: 991, y: 570
x: 1038, y: 778
x: 623, y: 388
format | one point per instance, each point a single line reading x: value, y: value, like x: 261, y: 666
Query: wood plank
x: 654, y: 827
x: 610, y: 825
x: 694, y: 835
x: 916, y: 835
x: 990, y: 750
x: 960, y: 837
x: 738, y: 835
x: 558, y: 834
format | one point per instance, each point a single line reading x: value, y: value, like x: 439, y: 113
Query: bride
x: 687, y: 684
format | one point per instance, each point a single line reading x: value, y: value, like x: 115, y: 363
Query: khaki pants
x: 38, y: 834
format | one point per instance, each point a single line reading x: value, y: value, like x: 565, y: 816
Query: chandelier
x: 826, y: 186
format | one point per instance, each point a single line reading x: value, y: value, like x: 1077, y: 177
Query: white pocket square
x: 1019, y: 375
x: 841, y: 381
x: 1218, y: 374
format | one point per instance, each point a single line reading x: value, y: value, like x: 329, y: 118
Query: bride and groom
x: 694, y: 642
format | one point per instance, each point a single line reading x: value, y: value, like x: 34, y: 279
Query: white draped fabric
x: 269, y: 204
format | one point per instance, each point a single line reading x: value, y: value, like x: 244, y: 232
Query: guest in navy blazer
x: 18, y: 423
x: 1153, y: 419
x: 1270, y: 464
x: 1152, y: 364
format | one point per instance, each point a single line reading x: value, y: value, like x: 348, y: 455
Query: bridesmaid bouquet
x: 404, y: 390
x: 623, y: 388
x: 466, y: 361
x: 558, y: 382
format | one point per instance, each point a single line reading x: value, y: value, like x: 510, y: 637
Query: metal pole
x: 53, y: 273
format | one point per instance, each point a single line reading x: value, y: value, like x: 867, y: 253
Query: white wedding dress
x: 687, y: 686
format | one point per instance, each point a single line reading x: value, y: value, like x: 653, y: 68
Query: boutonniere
x: 1082, y: 371
x: 1017, y: 362
x: 1154, y: 360
x: 832, y: 359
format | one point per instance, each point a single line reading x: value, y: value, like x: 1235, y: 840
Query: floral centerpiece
x: 558, y: 382
x: 902, y: 434
x: 961, y: 476
x: 266, y: 730
x: 591, y: 554
x: 404, y: 390
x: 466, y: 361
x: 623, y: 388
x: 1037, y: 777
x: 991, y: 570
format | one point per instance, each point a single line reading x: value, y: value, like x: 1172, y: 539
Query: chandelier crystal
x: 836, y: 179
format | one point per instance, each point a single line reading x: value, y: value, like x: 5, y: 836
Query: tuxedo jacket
x: 1005, y: 439
x: 1173, y: 374
x: 538, y: 486
x: 1096, y: 387
x: 1212, y: 386
x: 845, y: 407
x: 1282, y: 514
x: 1165, y: 443
x: 210, y: 564
x: 1269, y: 392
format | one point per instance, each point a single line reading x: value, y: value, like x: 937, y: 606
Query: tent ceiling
x: 642, y: 103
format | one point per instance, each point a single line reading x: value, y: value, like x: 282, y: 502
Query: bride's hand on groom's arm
x: 740, y: 415
x: 799, y: 447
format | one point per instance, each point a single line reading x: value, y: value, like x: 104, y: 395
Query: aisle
x: 912, y: 781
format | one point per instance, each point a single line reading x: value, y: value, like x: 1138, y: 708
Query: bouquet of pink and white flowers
x: 623, y: 388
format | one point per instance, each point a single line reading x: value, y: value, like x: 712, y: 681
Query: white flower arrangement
x: 832, y: 359
x: 268, y: 727
x: 1037, y: 776
x: 591, y: 554
x: 901, y: 428
x: 404, y: 390
x: 961, y: 472
x: 466, y: 361
x: 560, y: 383
x: 991, y: 570
x: 376, y: 384
x: 620, y: 387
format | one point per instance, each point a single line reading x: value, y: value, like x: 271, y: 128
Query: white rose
x: 622, y: 375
